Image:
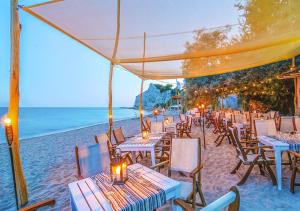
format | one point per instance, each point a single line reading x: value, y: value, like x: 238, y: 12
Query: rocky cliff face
x: 152, y: 97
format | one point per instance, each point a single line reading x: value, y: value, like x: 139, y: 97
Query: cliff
x: 153, y: 96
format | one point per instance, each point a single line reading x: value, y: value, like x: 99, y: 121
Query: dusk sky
x: 58, y: 71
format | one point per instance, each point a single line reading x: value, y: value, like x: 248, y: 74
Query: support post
x: 13, y: 109
x: 142, y: 85
x: 141, y: 105
x: 110, y: 113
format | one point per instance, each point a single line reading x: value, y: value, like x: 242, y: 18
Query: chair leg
x: 271, y: 174
x: 261, y: 170
x: 290, y: 159
x: 199, y: 190
x: 243, y: 180
x: 222, y: 138
x: 293, y: 178
x: 237, y: 167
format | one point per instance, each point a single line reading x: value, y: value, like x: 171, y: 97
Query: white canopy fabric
x: 185, y: 38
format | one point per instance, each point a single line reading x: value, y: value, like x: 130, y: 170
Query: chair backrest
x: 287, y: 124
x: 157, y: 127
x: 148, y: 122
x: 105, y: 143
x: 185, y: 154
x: 272, y: 114
x: 91, y: 160
x: 182, y: 117
x: 239, y: 118
x: 297, y: 123
x: 119, y: 135
x: 236, y: 142
x: 265, y: 127
x: 247, y: 114
x: 230, y: 201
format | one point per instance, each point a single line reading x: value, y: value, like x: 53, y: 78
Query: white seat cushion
x: 185, y: 189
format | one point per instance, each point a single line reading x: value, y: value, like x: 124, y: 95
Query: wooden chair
x: 229, y: 202
x: 287, y: 124
x: 36, y: 206
x: 148, y: 123
x: 186, y: 157
x: 103, y: 139
x: 295, y: 170
x: 251, y: 159
x: 92, y: 160
x: 120, y: 138
x: 185, y: 127
x: 222, y: 131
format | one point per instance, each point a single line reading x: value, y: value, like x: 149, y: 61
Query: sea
x: 43, y: 121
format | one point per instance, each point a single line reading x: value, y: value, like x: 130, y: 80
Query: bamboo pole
x: 13, y: 109
x: 110, y: 113
x: 142, y: 85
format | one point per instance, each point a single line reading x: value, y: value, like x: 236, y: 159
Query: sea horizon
x: 41, y: 121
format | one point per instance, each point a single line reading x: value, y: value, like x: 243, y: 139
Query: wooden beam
x: 13, y: 108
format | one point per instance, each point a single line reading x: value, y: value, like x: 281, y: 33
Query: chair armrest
x: 185, y: 206
x: 196, y: 171
x: 258, y: 147
x: 159, y: 165
x: 32, y: 207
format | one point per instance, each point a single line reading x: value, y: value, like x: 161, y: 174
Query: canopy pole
x: 13, y: 108
x: 142, y: 85
x: 141, y: 105
x: 110, y: 113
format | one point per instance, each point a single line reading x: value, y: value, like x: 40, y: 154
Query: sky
x: 56, y: 71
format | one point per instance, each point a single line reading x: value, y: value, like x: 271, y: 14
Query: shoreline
x: 72, y: 129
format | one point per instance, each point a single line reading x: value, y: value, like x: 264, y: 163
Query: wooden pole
x: 142, y: 86
x: 110, y: 114
x: 13, y: 109
x: 141, y: 105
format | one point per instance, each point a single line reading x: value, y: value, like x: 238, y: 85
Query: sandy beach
x: 49, y: 166
x: 49, y: 163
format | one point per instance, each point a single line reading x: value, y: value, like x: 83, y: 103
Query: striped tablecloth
x: 136, y: 194
x: 294, y: 145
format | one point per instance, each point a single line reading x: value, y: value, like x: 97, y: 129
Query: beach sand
x: 49, y: 163
x: 49, y: 166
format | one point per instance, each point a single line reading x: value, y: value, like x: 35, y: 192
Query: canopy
x: 184, y: 38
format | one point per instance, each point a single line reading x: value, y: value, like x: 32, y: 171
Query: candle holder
x: 145, y: 134
x: 118, y: 170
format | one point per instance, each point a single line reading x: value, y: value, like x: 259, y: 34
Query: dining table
x: 279, y: 145
x: 139, y: 144
x: 145, y: 189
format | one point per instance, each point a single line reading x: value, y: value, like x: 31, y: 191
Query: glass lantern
x: 145, y: 134
x: 119, y: 171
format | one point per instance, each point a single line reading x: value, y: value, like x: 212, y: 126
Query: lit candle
x: 118, y: 172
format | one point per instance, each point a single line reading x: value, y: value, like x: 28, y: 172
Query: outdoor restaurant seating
x: 186, y: 157
x: 251, y: 159
x: 91, y: 160
x: 229, y: 202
